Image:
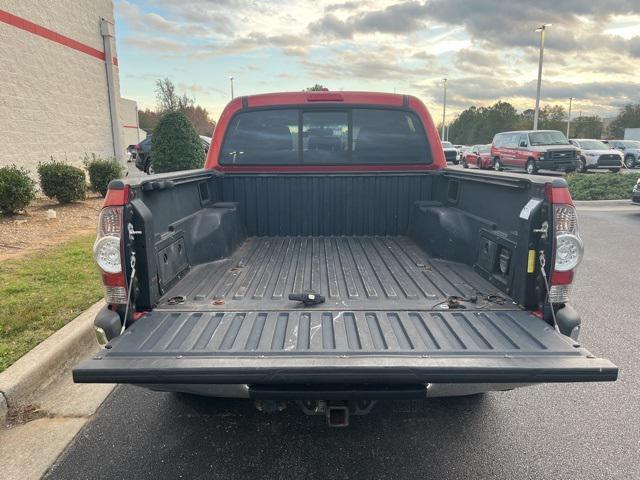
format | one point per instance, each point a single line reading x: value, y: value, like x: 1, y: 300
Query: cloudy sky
x: 487, y: 49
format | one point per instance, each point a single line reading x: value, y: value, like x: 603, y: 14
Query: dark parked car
x: 325, y: 257
x: 143, y: 151
x: 450, y: 153
x: 636, y: 193
x: 131, y: 152
x: 142, y: 158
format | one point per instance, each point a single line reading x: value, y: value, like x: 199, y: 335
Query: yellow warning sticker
x: 531, y: 264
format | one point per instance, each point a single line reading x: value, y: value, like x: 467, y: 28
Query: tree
x: 586, y: 127
x: 500, y: 117
x: 148, y: 119
x: 478, y: 125
x: 168, y: 99
x: 176, y: 144
x: 552, y: 118
x: 628, y: 117
x: 316, y: 88
x: 200, y: 119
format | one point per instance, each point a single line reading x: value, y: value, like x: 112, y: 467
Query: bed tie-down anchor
x: 308, y: 298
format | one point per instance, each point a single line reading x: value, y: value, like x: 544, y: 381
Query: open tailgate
x: 303, y: 347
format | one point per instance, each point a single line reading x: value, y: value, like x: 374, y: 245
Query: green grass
x: 601, y: 186
x: 41, y: 293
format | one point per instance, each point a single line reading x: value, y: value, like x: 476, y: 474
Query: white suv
x: 595, y: 154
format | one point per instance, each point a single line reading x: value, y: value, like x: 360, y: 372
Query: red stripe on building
x: 43, y: 32
x: 130, y: 126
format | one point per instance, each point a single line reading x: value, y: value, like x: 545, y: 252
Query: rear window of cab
x: 293, y: 136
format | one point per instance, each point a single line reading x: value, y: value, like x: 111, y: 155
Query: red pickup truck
x: 534, y: 150
x: 326, y: 257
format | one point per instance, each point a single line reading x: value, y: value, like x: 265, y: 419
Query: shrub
x: 601, y: 186
x: 63, y: 182
x: 176, y: 144
x: 102, y: 171
x: 17, y: 189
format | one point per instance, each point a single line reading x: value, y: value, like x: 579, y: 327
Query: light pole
x: 444, y: 109
x: 569, y: 117
x: 540, y: 29
x: 231, y: 81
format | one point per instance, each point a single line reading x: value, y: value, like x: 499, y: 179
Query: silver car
x: 630, y: 149
x: 595, y: 154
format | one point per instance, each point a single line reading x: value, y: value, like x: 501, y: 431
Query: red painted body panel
x: 558, y: 195
x: 312, y: 99
x: 475, y: 160
x: 116, y: 197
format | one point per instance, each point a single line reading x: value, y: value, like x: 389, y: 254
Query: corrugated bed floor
x: 439, y: 333
x: 353, y: 273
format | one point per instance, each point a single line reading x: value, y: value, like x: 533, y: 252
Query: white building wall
x: 129, y: 121
x: 53, y: 98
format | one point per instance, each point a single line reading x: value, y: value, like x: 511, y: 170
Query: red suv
x: 534, y: 150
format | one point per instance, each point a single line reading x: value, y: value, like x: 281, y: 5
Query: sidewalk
x: 41, y: 409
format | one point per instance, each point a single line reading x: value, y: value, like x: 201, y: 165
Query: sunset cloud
x: 486, y: 48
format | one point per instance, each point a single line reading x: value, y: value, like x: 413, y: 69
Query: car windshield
x: 484, y: 148
x: 593, y: 145
x: 547, y: 138
x: 631, y: 144
x: 447, y: 144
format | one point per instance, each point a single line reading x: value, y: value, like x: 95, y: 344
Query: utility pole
x: 444, y: 109
x: 569, y: 117
x: 231, y: 81
x: 540, y: 29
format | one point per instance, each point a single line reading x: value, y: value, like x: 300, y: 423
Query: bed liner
x: 352, y: 272
x: 382, y: 322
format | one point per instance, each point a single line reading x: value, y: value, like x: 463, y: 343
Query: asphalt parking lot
x: 574, y: 431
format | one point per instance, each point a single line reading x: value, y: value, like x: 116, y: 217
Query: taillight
x: 108, y: 248
x: 568, y: 245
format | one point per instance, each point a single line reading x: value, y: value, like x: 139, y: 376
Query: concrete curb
x: 603, y: 203
x: 42, y: 366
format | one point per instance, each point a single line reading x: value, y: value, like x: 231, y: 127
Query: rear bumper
x: 451, y: 157
x: 350, y: 392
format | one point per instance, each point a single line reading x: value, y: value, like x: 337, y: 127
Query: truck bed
x: 388, y: 273
x: 385, y: 249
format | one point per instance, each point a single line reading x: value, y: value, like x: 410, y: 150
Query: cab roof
x: 297, y: 98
